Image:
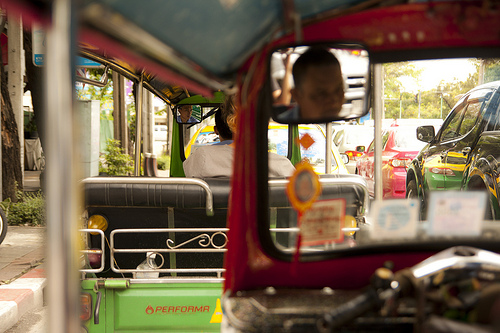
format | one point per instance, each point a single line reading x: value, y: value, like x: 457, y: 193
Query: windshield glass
x: 315, y: 154
x: 406, y: 138
x: 440, y: 177
x: 359, y: 135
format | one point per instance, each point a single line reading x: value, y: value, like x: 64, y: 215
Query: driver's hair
x: 228, y: 113
x: 225, y: 132
x: 314, y: 56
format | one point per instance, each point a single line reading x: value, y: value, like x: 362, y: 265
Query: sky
x: 436, y: 70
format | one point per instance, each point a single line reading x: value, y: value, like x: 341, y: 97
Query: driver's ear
x: 294, y: 93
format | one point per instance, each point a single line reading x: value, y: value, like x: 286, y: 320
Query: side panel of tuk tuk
x: 165, y: 307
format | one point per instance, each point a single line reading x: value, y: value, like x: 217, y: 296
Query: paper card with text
x: 323, y: 222
x: 456, y: 213
x: 394, y: 219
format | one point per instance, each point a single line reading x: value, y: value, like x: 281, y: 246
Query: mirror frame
x: 348, y: 45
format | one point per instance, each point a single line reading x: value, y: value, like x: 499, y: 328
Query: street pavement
x: 22, y: 273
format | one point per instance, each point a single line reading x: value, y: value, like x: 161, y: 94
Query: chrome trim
x: 457, y: 257
x: 176, y: 280
x: 356, y: 181
x: 124, y: 72
x: 100, y: 84
x: 139, y: 101
x: 215, y: 231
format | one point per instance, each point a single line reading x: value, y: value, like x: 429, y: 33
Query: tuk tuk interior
x: 372, y: 286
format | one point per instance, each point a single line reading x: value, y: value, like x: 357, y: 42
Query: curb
x: 20, y: 296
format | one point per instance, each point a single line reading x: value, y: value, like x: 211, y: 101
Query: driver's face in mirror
x: 319, y: 85
x: 184, y: 114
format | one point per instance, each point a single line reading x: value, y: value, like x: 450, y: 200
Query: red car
x: 400, y: 146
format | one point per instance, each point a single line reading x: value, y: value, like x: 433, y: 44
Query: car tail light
x: 86, y: 303
x: 400, y: 162
x: 353, y: 155
x: 443, y: 171
x: 94, y: 257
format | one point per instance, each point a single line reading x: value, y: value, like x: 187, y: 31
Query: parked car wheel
x: 3, y: 226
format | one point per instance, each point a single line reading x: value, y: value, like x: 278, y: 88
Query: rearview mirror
x: 320, y: 83
x: 345, y: 158
x: 188, y: 114
x: 425, y: 133
x: 360, y: 149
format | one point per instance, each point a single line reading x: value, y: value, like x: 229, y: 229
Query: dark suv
x: 464, y: 154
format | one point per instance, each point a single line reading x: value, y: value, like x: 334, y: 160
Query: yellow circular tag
x: 303, y: 187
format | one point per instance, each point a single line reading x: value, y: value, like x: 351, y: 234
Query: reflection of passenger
x: 217, y: 160
x: 319, y: 86
x: 281, y: 94
x: 184, y: 115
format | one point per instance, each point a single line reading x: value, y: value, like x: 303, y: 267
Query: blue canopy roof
x: 217, y: 35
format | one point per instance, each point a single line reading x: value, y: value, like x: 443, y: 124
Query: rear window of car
x: 406, y: 138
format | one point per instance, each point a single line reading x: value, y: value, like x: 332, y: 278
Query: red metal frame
x: 403, y: 27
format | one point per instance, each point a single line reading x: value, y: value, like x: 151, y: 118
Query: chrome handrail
x: 204, y: 240
x: 356, y: 181
x: 100, y: 251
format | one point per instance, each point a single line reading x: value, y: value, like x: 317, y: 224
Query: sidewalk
x: 22, y: 273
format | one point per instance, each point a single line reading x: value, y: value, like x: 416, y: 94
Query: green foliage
x: 91, y: 92
x: 163, y: 162
x: 434, y: 104
x: 116, y: 163
x: 29, y: 209
x: 30, y: 126
x: 131, y: 126
x: 491, y: 70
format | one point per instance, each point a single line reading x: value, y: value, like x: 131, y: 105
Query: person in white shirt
x: 217, y: 160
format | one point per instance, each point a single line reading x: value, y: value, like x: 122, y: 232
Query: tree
x: 11, y: 147
x: 34, y: 83
x: 396, y: 99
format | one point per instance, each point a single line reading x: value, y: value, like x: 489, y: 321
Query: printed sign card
x: 323, y: 222
x: 456, y: 213
x: 394, y: 219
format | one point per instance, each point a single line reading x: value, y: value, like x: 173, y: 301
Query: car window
x: 207, y: 138
x: 385, y: 138
x: 371, y: 147
x: 278, y: 143
x: 405, y: 137
x: 360, y: 136
x: 450, y: 127
x: 491, y: 107
x: 475, y: 104
x: 338, y: 137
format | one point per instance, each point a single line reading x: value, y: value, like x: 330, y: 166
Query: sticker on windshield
x: 323, y: 223
x: 456, y: 213
x: 393, y: 219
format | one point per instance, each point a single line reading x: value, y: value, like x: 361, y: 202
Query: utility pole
x: 400, y: 103
x: 120, y: 124
x: 441, y: 105
x: 419, y: 104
